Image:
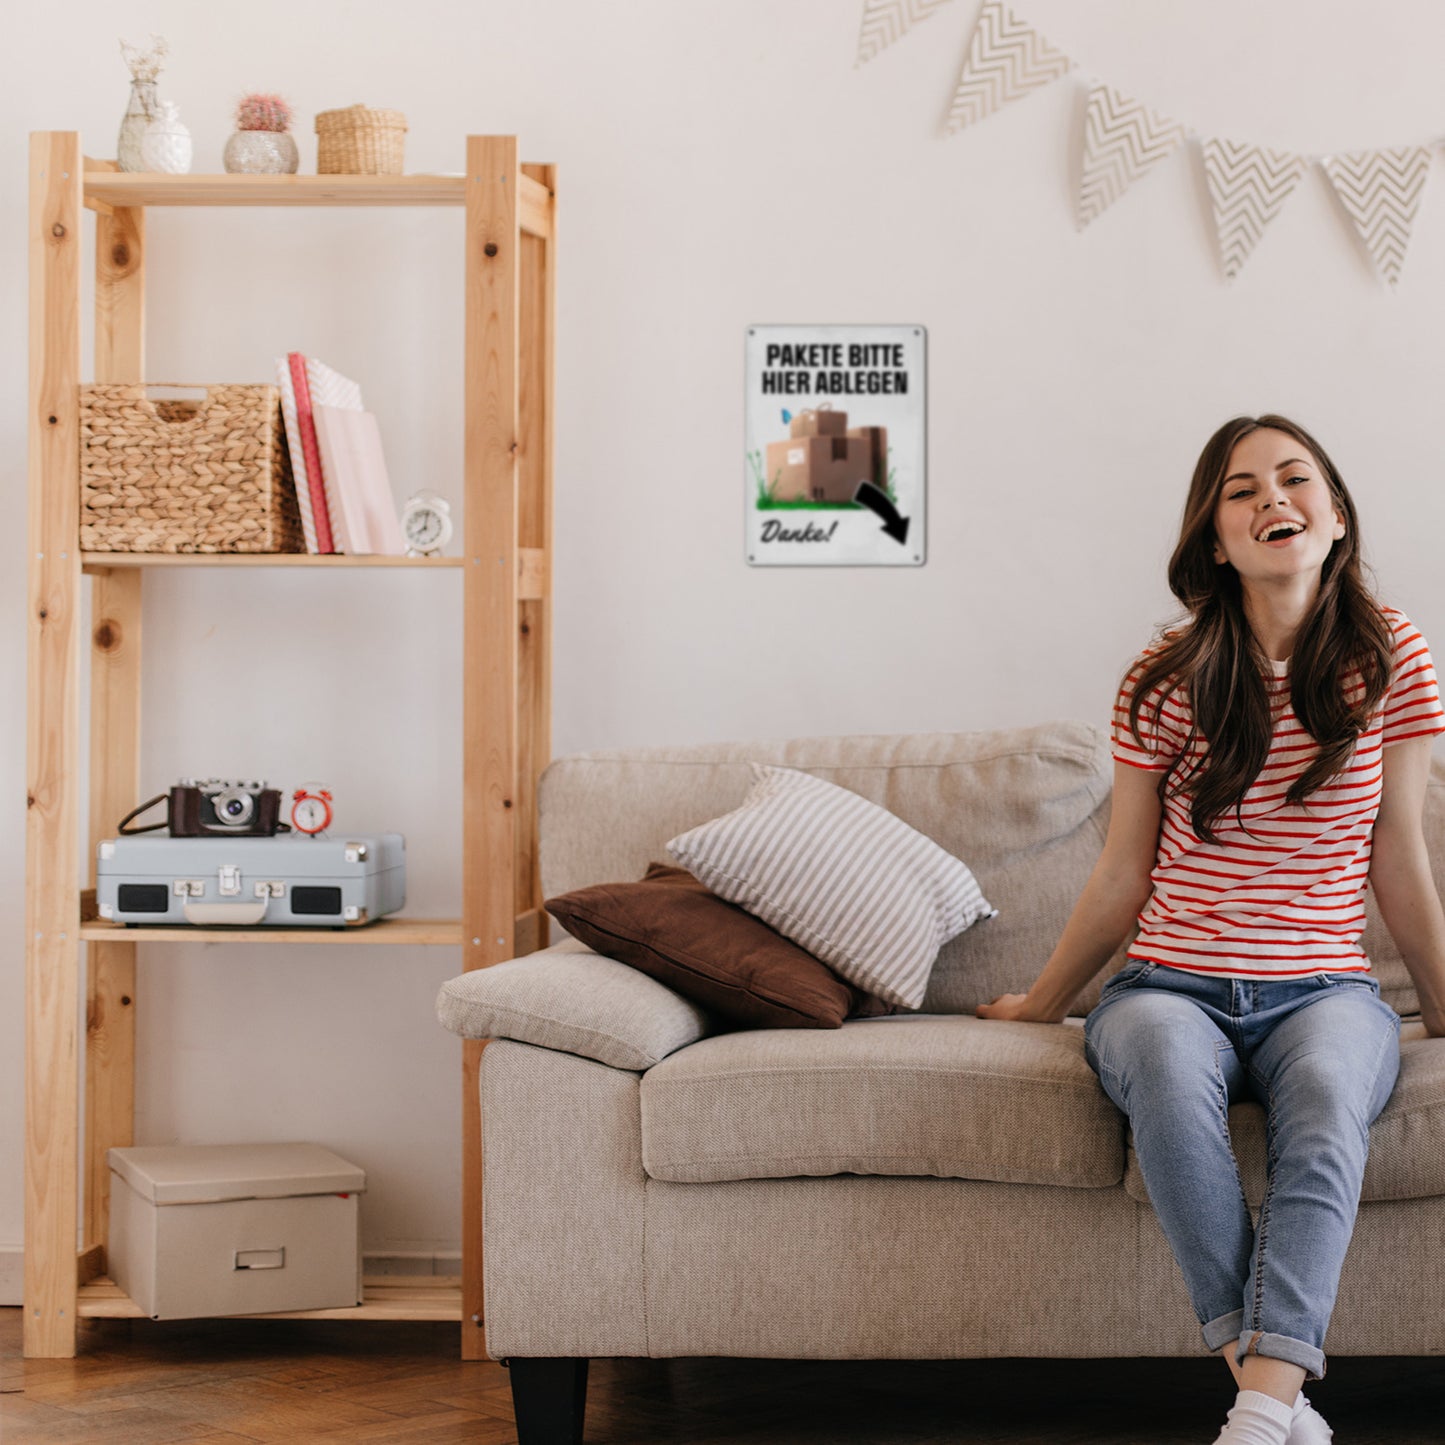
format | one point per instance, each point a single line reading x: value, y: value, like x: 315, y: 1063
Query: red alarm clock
x: 311, y: 809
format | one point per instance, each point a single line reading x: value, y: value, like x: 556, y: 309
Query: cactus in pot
x: 262, y: 143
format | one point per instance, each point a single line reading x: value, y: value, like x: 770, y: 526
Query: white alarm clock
x: 311, y: 809
x: 426, y: 524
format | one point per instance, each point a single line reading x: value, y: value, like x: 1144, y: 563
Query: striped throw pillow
x: 843, y: 878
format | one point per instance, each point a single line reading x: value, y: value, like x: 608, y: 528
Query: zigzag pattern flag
x: 1007, y: 58
x: 1381, y: 190
x: 1248, y: 186
x: 884, y: 21
x: 1122, y: 140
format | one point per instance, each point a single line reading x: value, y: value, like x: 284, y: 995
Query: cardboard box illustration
x: 818, y: 468
x: 877, y: 439
x: 820, y: 421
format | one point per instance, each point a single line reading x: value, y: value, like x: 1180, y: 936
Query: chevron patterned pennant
x: 1248, y: 186
x: 1007, y: 58
x: 1122, y: 140
x: 885, y: 21
x: 1381, y: 190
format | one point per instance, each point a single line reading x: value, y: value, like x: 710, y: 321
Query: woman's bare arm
x: 1400, y: 875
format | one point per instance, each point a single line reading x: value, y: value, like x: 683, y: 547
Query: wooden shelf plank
x: 386, y: 1297
x: 532, y: 565
x: 99, y: 561
x: 143, y: 188
x: 384, y: 930
x: 146, y: 188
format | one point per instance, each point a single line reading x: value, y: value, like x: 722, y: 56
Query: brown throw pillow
x: 670, y: 927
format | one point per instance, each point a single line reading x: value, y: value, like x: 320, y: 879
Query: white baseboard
x: 12, y: 1268
x: 12, y: 1274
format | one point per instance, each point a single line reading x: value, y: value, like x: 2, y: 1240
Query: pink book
x: 363, y: 508
x: 306, y: 425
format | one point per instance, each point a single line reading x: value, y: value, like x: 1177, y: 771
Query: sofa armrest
x: 575, y: 1001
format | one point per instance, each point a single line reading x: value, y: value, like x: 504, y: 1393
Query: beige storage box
x: 235, y: 1229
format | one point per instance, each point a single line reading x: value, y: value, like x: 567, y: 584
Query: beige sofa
x: 916, y: 1186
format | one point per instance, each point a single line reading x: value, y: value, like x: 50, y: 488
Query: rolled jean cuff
x: 1282, y: 1347
x: 1223, y: 1331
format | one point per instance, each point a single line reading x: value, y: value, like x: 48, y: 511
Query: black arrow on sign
x: 876, y: 500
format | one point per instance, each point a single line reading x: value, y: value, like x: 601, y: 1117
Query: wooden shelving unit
x: 508, y: 269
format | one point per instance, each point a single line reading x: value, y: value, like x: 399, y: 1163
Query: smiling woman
x: 1271, y: 758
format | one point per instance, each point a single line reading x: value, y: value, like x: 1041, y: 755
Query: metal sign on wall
x: 836, y: 446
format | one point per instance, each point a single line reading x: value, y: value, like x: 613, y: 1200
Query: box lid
x: 210, y: 1173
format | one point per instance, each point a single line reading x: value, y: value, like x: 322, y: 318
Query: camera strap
x: 144, y: 807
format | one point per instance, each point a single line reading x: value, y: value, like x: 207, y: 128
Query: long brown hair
x: 1219, y: 663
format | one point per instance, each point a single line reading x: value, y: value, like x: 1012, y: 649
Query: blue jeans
x: 1173, y: 1050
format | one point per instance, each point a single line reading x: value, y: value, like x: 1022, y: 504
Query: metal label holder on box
x: 251, y: 881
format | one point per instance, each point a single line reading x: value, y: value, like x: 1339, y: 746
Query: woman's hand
x: 1012, y: 1006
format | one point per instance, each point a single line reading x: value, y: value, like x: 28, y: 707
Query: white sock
x: 1307, y: 1425
x: 1257, y: 1419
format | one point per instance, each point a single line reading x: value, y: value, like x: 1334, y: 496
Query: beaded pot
x: 262, y: 152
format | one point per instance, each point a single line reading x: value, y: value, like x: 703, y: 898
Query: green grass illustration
x: 767, y: 502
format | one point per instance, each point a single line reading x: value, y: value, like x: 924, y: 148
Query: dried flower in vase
x: 260, y: 111
x: 143, y: 107
x: 144, y: 64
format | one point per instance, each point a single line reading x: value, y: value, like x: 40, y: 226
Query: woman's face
x: 1274, y: 518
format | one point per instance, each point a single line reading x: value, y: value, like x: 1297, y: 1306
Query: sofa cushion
x: 951, y: 1097
x: 674, y: 929
x: 575, y: 1001
x: 1407, y: 1141
x: 842, y: 877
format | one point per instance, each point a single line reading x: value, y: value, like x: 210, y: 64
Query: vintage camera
x: 215, y: 806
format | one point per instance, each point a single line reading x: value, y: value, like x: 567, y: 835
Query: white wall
x: 721, y: 164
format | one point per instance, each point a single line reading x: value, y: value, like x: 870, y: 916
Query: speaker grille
x: 316, y: 900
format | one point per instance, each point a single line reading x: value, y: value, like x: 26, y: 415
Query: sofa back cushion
x: 1025, y: 808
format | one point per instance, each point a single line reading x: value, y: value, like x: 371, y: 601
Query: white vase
x: 261, y: 152
x: 167, y: 143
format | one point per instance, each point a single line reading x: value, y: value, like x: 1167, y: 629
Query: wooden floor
x: 136, y: 1382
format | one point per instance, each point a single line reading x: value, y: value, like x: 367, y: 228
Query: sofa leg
x: 549, y: 1397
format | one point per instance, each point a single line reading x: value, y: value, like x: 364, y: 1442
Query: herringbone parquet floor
x: 144, y: 1384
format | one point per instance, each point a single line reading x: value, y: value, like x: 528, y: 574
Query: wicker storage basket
x: 359, y: 142
x: 186, y: 476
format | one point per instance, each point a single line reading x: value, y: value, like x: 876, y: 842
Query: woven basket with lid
x: 186, y: 476
x: 359, y: 142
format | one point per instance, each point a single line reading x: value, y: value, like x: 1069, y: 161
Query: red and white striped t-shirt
x: 1286, y: 899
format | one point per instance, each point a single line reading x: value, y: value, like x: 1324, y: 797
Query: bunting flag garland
x: 1006, y: 59
x: 1248, y: 186
x: 1381, y: 190
x: 885, y: 21
x: 1122, y: 140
